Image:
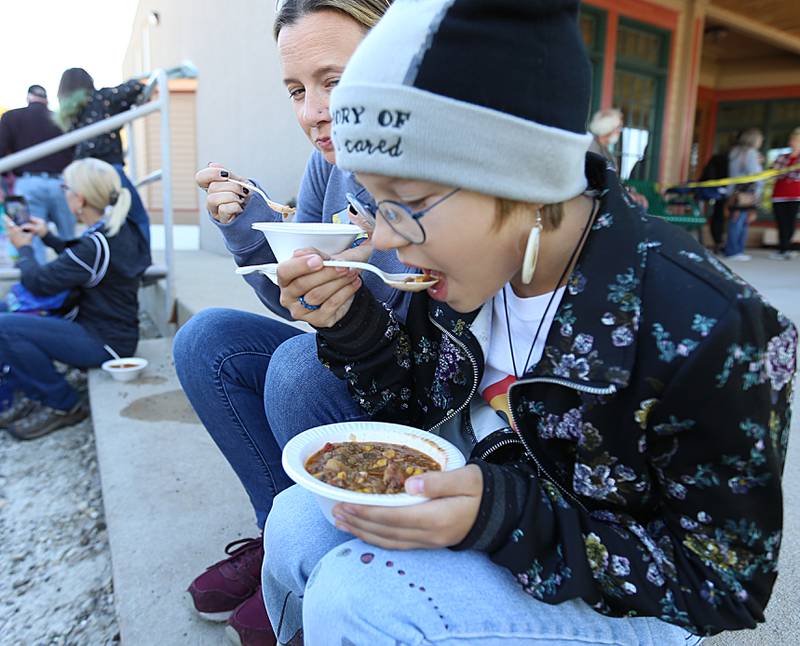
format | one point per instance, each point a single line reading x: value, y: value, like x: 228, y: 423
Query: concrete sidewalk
x: 172, y: 502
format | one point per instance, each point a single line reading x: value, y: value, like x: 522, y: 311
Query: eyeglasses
x: 404, y: 221
x: 64, y: 187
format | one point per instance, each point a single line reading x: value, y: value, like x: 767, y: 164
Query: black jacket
x: 105, y: 271
x: 645, y: 473
x: 26, y: 127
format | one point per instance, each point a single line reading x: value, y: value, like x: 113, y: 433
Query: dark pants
x: 786, y: 217
x: 717, y: 221
x: 28, y: 346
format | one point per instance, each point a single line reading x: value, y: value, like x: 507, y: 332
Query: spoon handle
x: 354, y: 264
x: 269, y: 268
x: 285, y: 211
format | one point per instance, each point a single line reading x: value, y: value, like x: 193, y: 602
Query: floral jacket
x: 644, y: 474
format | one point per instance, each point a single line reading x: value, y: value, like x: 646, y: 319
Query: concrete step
x: 172, y: 503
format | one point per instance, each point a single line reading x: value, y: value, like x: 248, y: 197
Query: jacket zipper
x: 593, y: 390
x: 505, y: 442
x: 474, y: 363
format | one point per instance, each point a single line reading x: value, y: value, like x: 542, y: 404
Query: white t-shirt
x: 524, y: 315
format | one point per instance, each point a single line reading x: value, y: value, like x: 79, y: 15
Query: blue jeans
x: 255, y: 383
x: 28, y: 346
x: 347, y: 592
x: 137, y: 214
x: 737, y: 233
x: 46, y: 200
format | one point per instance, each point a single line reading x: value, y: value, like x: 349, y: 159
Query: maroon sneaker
x: 249, y: 625
x: 218, y: 591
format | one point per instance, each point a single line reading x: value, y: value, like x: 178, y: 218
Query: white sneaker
x: 739, y: 257
x: 779, y: 255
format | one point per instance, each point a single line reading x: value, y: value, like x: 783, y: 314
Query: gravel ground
x: 55, y: 586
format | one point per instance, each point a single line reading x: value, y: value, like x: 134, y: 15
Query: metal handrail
x: 161, y: 104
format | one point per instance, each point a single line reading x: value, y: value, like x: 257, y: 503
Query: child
x: 623, y: 396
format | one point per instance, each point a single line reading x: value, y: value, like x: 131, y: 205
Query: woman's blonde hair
x: 100, y: 186
x: 366, y: 13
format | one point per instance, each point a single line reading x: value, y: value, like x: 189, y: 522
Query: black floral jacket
x: 645, y: 473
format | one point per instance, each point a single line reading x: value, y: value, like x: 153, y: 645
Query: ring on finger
x: 310, y: 308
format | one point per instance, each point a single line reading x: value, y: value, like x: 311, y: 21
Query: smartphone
x: 17, y: 209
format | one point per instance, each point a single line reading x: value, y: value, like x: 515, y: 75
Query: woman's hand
x: 443, y: 521
x: 329, y: 290
x: 17, y: 235
x: 36, y: 226
x: 225, y: 200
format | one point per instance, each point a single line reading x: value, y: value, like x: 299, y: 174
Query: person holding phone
x: 39, y: 181
x: 103, y: 268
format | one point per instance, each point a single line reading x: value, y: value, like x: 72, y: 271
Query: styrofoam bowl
x: 286, y: 237
x: 303, y: 446
x: 126, y: 368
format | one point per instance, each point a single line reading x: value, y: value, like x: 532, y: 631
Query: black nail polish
x: 224, y: 173
x: 246, y: 190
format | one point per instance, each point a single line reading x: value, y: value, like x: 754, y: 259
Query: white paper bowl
x: 286, y: 237
x: 134, y: 369
x: 303, y: 446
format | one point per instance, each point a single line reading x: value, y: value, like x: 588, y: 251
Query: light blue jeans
x: 255, y: 383
x: 46, y: 200
x: 345, y: 592
x: 737, y: 233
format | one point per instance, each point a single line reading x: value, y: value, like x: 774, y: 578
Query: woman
x: 102, y: 268
x: 786, y: 197
x: 81, y: 104
x: 623, y: 396
x: 744, y: 159
x: 233, y: 365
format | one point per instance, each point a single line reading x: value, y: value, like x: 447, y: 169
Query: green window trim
x: 594, y: 25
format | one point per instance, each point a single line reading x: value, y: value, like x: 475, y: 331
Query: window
x: 639, y: 90
x: 593, y: 29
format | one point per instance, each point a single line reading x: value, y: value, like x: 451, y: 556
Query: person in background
x: 255, y: 381
x: 786, y: 197
x: 744, y: 159
x: 39, y: 182
x: 103, y: 267
x: 606, y: 128
x: 81, y: 104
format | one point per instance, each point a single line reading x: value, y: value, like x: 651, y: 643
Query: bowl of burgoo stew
x: 365, y: 463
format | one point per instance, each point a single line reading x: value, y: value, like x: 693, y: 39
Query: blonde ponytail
x: 102, y: 189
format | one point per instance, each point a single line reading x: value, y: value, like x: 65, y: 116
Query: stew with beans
x: 369, y: 467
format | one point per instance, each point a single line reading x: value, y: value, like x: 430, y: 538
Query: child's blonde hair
x: 98, y: 182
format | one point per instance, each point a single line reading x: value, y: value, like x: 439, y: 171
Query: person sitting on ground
x: 623, y: 396
x: 81, y: 104
x: 253, y: 380
x: 786, y: 197
x: 39, y: 181
x: 103, y: 267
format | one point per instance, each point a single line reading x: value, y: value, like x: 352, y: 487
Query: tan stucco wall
x: 243, y: 115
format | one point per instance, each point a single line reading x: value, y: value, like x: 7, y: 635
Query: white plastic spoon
x: 285, y: 211
x: 401, y: 282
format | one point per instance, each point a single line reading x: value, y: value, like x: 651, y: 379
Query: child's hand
x: 318, y: 295
x: 443, y: 521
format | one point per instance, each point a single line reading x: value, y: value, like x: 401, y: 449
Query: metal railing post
x: 166, y: 200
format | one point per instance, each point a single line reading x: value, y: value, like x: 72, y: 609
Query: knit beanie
x: 487, y: 95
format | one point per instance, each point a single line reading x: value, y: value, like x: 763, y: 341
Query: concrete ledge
x: 172, y: 503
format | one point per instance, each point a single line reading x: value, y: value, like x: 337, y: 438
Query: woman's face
x: 313, y: 53
x: 75, y: 202
x: 471, y: 256
x: 794, y: 142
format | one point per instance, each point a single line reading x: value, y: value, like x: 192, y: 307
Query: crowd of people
x: 622, y: 398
